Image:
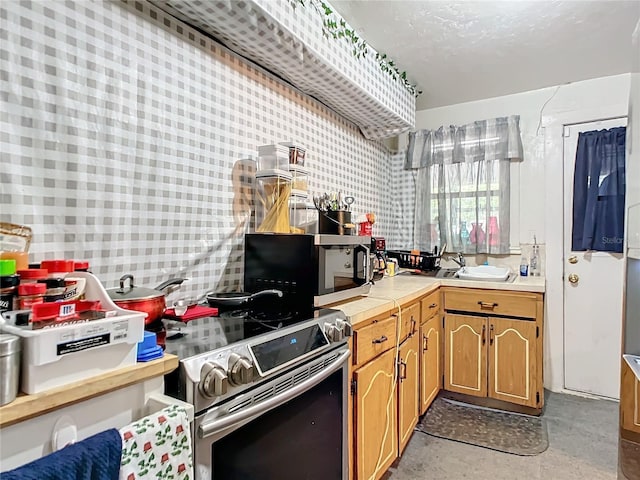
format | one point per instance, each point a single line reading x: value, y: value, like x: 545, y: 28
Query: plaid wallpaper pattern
x: 128, y: 139
x: 291, y: 43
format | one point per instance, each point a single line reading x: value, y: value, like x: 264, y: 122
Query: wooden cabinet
x: 493, y: 356
x: 629, y: 400
x: 430, y: 361
x: 375, y: 414
x: 374, y: 339
x: 408, y: 390
x: 465, y: 362
x: 410, y: 321
x: 386, y: 390
x: 430, y: 306
x: 512, y: 365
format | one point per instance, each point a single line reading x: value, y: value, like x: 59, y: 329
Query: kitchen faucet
x: 460, y: 260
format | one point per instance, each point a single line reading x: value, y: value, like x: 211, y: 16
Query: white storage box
x: 303, y: 214
x: 272, y: 157
x: 52, y: 357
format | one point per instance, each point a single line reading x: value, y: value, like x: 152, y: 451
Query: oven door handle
x: 207, y: 429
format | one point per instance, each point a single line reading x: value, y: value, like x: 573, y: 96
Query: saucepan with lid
x: 148, y: 300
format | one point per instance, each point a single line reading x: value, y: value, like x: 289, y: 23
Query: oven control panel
x: 222, y: 373
x: 338, y: 330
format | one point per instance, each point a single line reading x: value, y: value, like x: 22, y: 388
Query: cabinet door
x: 465, y: 363
x: 512, y: 361
x: 629, y: 399
x: 430, y: 364
x: 376, y: 417
x: 408, y: 392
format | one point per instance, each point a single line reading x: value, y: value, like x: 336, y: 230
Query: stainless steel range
x: 269, y: 390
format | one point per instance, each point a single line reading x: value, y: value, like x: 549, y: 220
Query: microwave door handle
x: 364, y: 251
x: 247, y: 414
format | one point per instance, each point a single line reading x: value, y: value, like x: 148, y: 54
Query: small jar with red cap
x: 57, y: 268
x: 81, y: 266
x: 32, y: 275
x: 30, y: 294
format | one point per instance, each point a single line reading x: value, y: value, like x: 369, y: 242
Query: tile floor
x: 583, y: 444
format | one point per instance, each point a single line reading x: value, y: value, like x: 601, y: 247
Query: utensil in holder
x: 336, y: 222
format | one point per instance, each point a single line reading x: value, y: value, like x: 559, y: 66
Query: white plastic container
x: 53, y: 357
x: 303, y: 214
x: 299, y: 179
x: 272, y: 157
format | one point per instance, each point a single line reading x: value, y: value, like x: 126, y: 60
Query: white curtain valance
x: 483, y: 140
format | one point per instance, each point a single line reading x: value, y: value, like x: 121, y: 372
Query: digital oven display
x: 280, y: 351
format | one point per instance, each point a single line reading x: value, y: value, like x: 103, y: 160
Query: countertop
x: 634, y: 362
x: 390, y: 292
x: 29, y: 406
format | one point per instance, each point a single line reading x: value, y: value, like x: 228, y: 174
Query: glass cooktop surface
x: 210, y: 333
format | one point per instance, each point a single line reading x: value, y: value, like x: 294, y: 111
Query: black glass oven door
x: 301, y: 439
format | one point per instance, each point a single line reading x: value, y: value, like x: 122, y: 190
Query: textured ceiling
x: 464, y: 51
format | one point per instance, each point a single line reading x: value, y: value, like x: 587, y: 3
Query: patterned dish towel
x: 158, y: 447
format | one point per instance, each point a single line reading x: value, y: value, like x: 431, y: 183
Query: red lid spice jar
x: 57, y: 268
x: 81, y: 266
x: 32, y: 275
x: 30, y: 294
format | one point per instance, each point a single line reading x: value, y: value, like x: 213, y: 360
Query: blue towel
x: 96, y: 458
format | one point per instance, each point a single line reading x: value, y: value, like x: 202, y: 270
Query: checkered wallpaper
x: 291, y: 42
x: 403, y: 197
x: 129, y: 139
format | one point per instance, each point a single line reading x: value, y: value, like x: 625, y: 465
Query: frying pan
x: 237, y: 299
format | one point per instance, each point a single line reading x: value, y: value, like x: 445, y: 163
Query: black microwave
x: 309, y: 269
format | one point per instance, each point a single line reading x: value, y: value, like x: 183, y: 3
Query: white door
x: 592, y: 305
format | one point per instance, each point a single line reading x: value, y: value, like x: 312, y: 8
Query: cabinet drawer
x: 492, y: 302
x: 430, y: 306
x: 374, y: 339
x: 410, y: 320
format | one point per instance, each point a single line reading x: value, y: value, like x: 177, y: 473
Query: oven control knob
x: 241, y: 370
x: 334, y: 333
x: 347, y: 330
x: 213, y: 380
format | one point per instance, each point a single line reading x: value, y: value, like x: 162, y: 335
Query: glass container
x: 273, y: 189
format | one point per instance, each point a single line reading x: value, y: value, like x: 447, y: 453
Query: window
x: 463, y: 186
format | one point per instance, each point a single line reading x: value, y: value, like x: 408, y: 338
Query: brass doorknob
x: 573, y: 278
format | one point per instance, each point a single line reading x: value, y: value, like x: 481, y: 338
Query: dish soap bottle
x: 534, y: 268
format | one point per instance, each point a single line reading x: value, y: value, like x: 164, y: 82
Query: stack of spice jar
x: 49, y: 281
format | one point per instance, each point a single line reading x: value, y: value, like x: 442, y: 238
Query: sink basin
x: 484, y: 273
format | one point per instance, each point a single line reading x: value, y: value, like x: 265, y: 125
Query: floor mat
x: 497, y: 430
